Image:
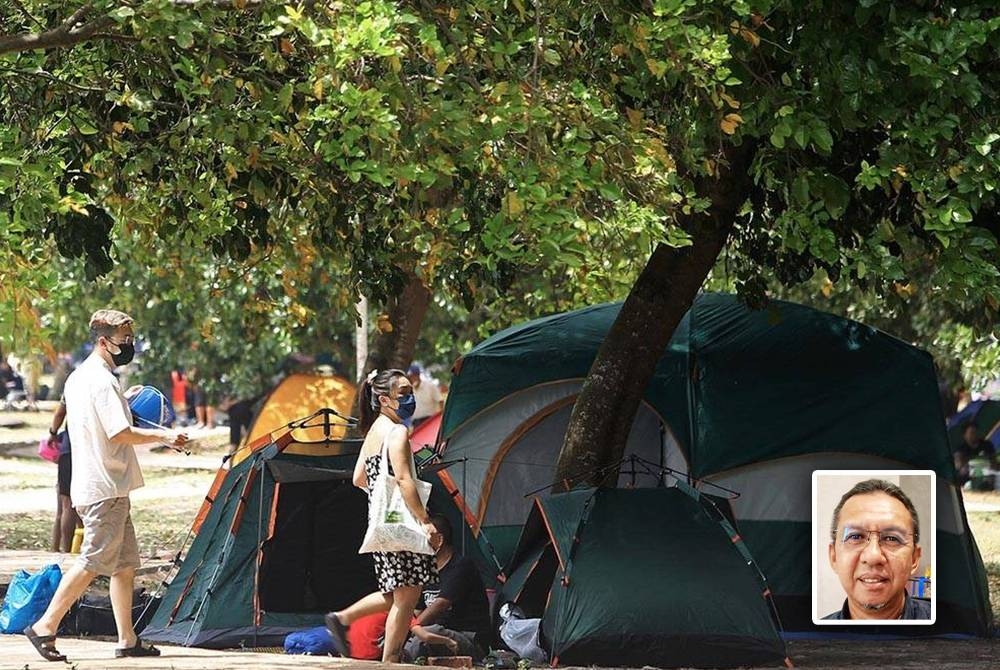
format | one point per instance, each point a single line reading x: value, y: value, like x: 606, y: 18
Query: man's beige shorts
x: 109, y: 544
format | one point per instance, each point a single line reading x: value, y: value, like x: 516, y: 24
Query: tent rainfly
x: 751, y: 400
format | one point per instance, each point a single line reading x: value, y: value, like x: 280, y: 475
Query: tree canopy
x: 498, y: 152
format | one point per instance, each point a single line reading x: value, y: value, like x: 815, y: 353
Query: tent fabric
x: 865, y: 374
x: 276, y: 548
x: 985, y: 414
x: 687, y: 597
x: 300, y: 395
x: 426, y: 434
x: 750, y: 400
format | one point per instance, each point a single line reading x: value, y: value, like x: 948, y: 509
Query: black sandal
x: 44, y: 644
x: 138, y: 650
x: 338, y: 632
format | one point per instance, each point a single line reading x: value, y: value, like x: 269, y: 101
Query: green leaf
x: 836, y: 195
x: 552, y: 57
x: 823, y: 139
x: 121, y: 13
x: 184, y: 38
x: 610, y: 191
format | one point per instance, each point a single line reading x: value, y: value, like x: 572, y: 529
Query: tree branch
x: 74, y: 29
x: 71, y: 31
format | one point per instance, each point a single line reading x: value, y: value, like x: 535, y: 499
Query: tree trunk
x: 602, y: 416
x: 398, y: 328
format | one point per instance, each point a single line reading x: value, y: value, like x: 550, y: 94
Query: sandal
x: 138, y: 650
x: 338, y: 632
x: 45, y: 644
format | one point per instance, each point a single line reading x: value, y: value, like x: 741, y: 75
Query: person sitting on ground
x: 456, y: 606
x: 365, y: 637
x: 973, y: 446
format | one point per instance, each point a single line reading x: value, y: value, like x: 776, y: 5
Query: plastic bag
x: 313, y: 641
x: 27, y: 597
x: 522, y: 636
x: 391, y: 526
x: 49, y: 450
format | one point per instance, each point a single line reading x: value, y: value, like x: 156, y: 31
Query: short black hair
x: 443, y: 525
x: 877, y: 486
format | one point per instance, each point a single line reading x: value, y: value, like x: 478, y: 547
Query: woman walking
x: 386, y: 402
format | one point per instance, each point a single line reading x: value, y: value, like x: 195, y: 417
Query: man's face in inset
x: 874, y: 554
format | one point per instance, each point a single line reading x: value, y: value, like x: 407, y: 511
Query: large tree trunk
x: 603, y: 414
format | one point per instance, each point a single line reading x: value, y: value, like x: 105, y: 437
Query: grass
x: 160, y: 525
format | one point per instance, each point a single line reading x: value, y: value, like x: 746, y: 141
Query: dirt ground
x: 27, y: 480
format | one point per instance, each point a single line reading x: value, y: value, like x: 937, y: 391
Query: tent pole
x: 255, y: 601
x: 692, y: 373
x: 465, y: 483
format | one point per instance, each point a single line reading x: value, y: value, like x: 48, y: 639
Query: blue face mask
x: 407, y: 405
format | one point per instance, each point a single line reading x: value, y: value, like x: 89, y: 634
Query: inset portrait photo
x: 873, y: 547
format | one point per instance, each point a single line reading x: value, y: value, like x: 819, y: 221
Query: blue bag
x: 27, y: 598
x: 312, y: 641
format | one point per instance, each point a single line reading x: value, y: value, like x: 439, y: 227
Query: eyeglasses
x: 890, y: 540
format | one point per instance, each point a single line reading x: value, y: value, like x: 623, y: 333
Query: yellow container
x: 77, y: 541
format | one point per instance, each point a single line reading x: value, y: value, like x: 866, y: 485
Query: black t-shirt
x: 461, y: 584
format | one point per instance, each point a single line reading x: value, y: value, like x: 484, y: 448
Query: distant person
x: 179, y: 393
x: 875, y: 549
x: 31, y: 371
x: 6, y: 378
x: 964, y: 397
x: 427, y: 393
x: 105, y: 471
x: 204, y: 413
x: 386, y: 402
x: 67, y: 520
x: 240, y: 414
x: 455, y: 607
x: 972, y: 446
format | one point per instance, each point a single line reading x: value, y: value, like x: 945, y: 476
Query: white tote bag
x: 391, y: 526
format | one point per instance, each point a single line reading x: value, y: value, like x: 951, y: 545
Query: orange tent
x: 297, y: 396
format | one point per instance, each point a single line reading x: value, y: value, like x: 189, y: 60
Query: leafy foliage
x: 521, y: 158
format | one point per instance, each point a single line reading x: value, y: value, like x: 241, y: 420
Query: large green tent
x: 641, y: 577
x: 276, y: 548
x: 750, y: 400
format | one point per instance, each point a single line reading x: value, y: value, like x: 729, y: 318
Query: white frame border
x: 932, y: 484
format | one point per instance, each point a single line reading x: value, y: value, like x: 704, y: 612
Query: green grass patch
x: 159, y: 525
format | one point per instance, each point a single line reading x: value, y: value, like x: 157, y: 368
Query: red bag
x: 49, y: 450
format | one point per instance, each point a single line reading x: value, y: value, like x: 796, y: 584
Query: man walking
x: 105, y: 470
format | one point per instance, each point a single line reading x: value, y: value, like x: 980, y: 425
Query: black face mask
x: 126, y: 352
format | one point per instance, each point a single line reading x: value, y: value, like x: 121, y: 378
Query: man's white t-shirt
x: 428, y: 397
x: 96, y: 411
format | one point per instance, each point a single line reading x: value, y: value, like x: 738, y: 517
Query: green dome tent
x: 751, y: 400
x: 275, y: 548
x: 689, y: 596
